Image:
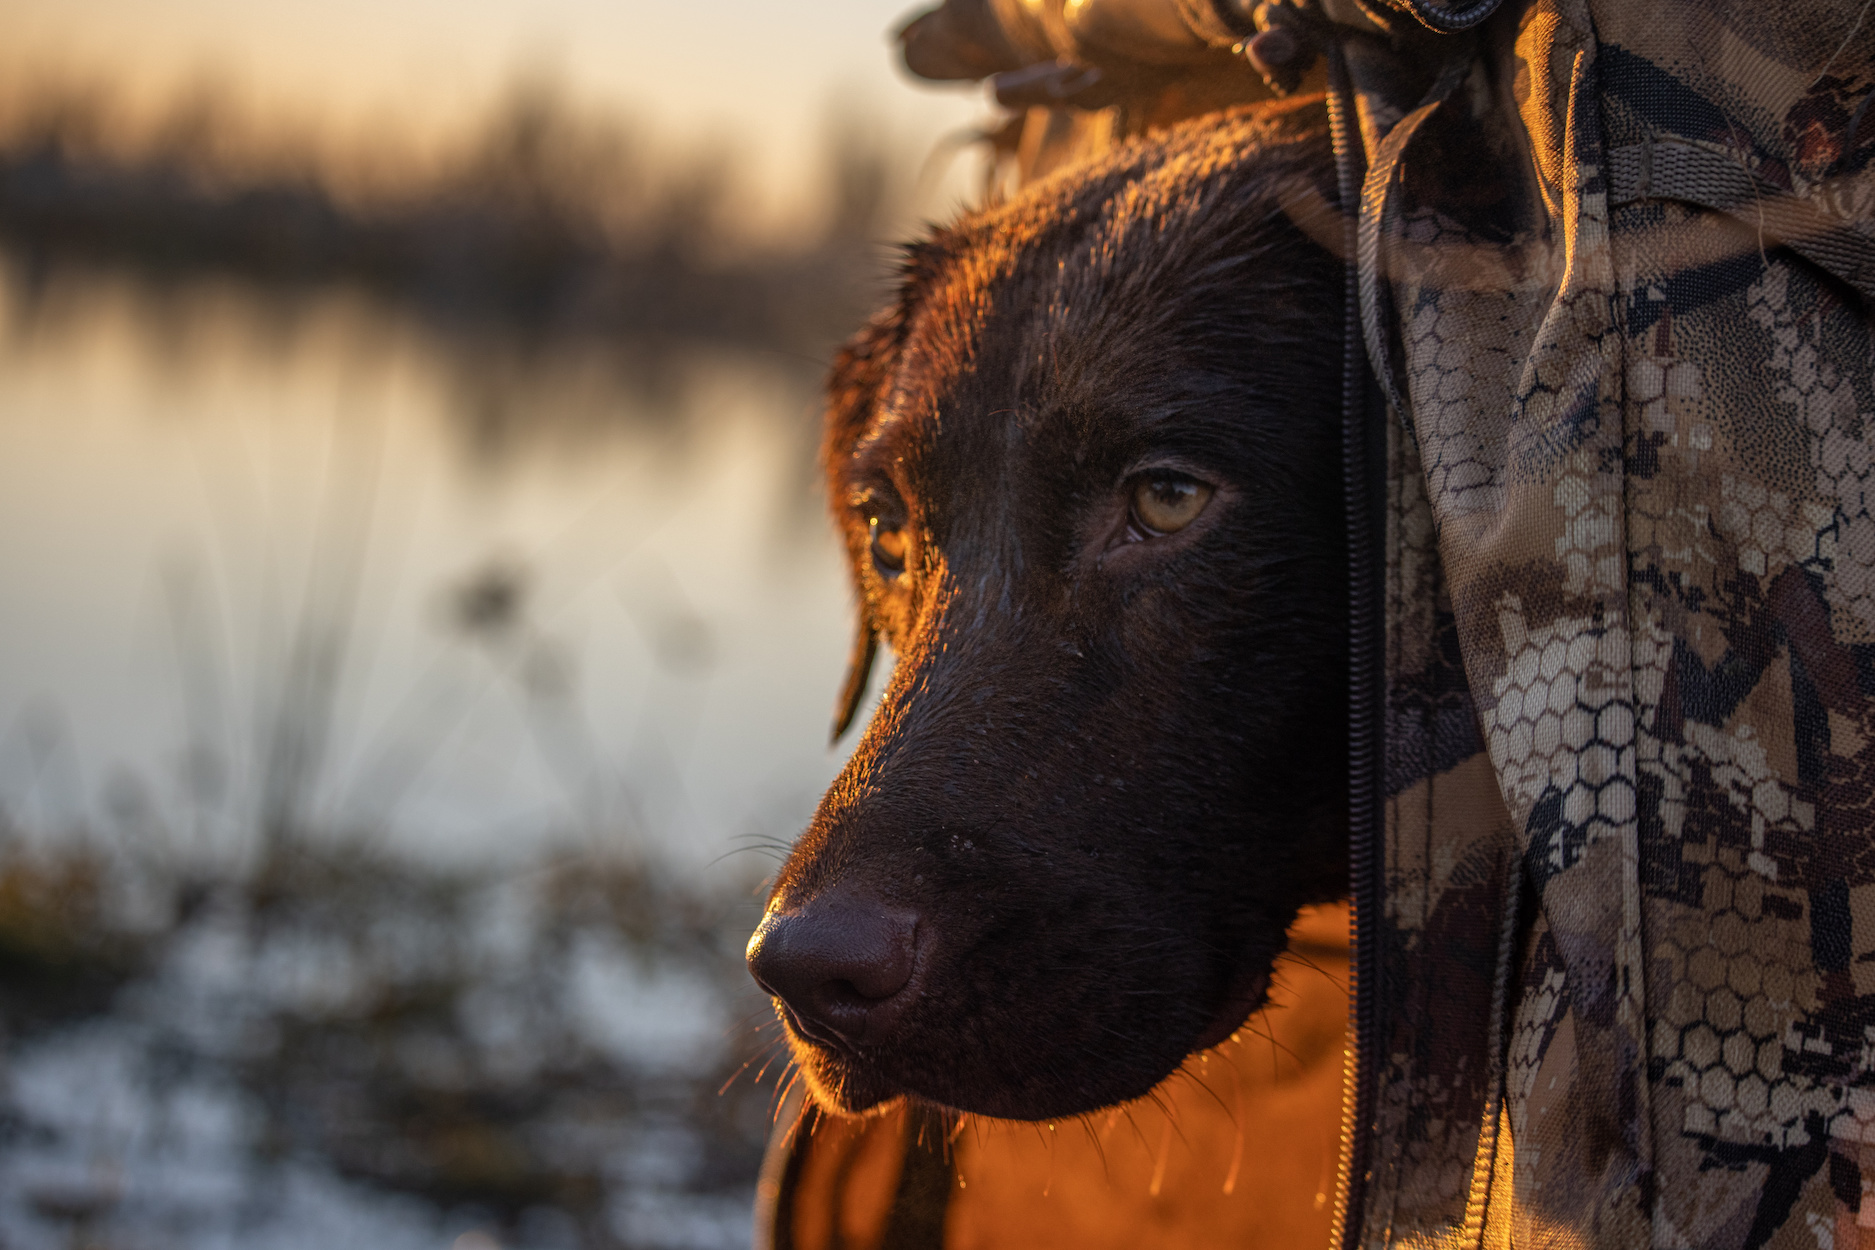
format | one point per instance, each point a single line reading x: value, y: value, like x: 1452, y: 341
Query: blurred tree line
x: 546, y: 222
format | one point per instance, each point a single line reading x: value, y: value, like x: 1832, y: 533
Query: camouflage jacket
x: 1619, y: 281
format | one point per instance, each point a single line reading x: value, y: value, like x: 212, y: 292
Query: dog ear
x: 858, y: 673
x: 860, y: 372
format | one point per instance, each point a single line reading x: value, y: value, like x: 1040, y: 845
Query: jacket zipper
x: 1366, y: 659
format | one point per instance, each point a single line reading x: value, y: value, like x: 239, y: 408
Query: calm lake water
x: 303, y: 568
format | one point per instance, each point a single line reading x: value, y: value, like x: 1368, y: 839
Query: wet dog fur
x: 1110, y: 764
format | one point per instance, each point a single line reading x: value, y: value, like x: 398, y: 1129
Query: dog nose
x: 839, y: 963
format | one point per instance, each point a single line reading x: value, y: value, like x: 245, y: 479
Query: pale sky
x: 765, y: 74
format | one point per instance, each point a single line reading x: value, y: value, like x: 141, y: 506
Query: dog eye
x: 1165, y: 503
x: 888, y: 546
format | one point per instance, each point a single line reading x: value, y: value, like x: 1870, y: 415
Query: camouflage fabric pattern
x: 1628, y: 990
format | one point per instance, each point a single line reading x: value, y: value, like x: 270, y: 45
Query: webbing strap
x: 1376, y: 193
x: 1676, y: 169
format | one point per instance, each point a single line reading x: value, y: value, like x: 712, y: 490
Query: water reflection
x: 286, y: 580
x: 377, y: 708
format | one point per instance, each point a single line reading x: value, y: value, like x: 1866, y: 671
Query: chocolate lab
x: 1087, y: 472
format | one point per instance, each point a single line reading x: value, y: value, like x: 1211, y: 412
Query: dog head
x: 1087, y: 473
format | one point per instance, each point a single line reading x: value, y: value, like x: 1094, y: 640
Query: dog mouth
x: 799, y: 1028
x: 855, y: 1078
x: 838, y: 1076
